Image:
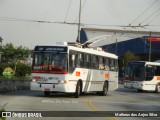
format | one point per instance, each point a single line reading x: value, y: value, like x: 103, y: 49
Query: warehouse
x: 137, y: 42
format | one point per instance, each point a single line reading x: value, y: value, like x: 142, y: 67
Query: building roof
x: 121, y: 31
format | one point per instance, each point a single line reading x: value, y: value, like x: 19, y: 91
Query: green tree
x: 10, y: 53
x: 129, y: 56
x: 21, y: 53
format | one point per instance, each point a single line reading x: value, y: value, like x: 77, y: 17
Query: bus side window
x: 157, y: 70
x: 106, y: 63
x: 101, y: 63
x: 77, y: 60
x: 116, y: 65
x: 80, y: 60
x: 97, y: 63
x: 87, y: 61
x: 72, y: 64
x: 150, y: 71
x: 94, y: 61
x: 112, y: 64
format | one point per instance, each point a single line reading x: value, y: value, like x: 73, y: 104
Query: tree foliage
x: 129, y: 56
x: 14, y: 57
x: 10, y: 53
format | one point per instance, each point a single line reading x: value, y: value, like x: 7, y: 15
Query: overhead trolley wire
x: 68, y: 23
x: 143, y: 12
x: 150, y: 15
x: 68, y: 10
x: 36, y: 21
x: 58, y: 22
x: 153, y: 15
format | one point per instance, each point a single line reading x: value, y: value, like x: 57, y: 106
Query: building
x: 137, y: 42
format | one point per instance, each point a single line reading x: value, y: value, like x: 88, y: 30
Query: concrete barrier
x: 12, y: 85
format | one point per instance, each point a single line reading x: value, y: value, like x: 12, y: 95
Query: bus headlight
x: 63, y: 81
x: 36, y: 78
x: 33, y: 80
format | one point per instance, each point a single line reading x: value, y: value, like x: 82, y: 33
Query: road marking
x: 91, y: 106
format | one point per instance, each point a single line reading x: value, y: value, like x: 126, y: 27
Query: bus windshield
x: 49, y: 62
x: 135, y: 72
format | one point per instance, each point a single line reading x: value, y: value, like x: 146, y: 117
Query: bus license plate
x: 47, y: 89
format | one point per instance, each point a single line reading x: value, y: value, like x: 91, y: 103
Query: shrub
x: 21, y: 69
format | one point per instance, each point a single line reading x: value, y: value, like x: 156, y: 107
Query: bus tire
x: 78, y: 90
x: 46, y: 93
x: 105, y: 89
x: 140, y: 91
x: 158, y: 88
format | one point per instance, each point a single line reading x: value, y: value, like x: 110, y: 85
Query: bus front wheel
x: 78, y: 90
x: 158, y: 88
x: 46, y: 93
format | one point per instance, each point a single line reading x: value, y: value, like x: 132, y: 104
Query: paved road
x: 121, y: 100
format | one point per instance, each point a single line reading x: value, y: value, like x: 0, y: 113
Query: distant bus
x: 69, y: 69
x: 143, y: 76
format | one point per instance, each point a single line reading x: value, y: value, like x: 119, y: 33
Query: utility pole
x: 1, y: 39
x: 116, y: 46
x: 79, y: 22
x: 150, y: 47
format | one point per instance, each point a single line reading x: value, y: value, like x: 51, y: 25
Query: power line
x: 151, y: 15
x: 143, y: 12
x: 69, y: 23
x: 36, y: 21
x: 68, y: 10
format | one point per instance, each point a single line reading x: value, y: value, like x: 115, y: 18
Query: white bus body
x: 143, y: 76
x: 70, y: 69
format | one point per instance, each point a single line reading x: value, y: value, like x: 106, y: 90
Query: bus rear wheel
x: 158, y: 88
x: 105, y: 89
x: 139, y: 90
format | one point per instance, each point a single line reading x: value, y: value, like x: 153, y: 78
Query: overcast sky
x: 104, y: 12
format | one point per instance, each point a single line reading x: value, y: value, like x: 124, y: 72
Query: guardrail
x: 12, y: 85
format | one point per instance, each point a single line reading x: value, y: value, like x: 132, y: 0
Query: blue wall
x: 137, y: 46
x: 83, y: 36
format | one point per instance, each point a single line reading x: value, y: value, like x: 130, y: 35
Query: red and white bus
x: 69, y: 69
x: 143, y: 76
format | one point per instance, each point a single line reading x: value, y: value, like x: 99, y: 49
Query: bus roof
x: 93, y: 51
x: 84, y: 50
x: 148, y: 63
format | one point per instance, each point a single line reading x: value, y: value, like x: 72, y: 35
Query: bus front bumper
x: 52, y: 87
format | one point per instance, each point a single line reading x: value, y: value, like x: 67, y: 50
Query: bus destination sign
x: 50, y: 49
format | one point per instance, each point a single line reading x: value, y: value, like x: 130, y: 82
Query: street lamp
x: 1, y: 39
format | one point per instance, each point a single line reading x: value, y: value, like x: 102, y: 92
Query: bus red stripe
x: 49, y: 71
